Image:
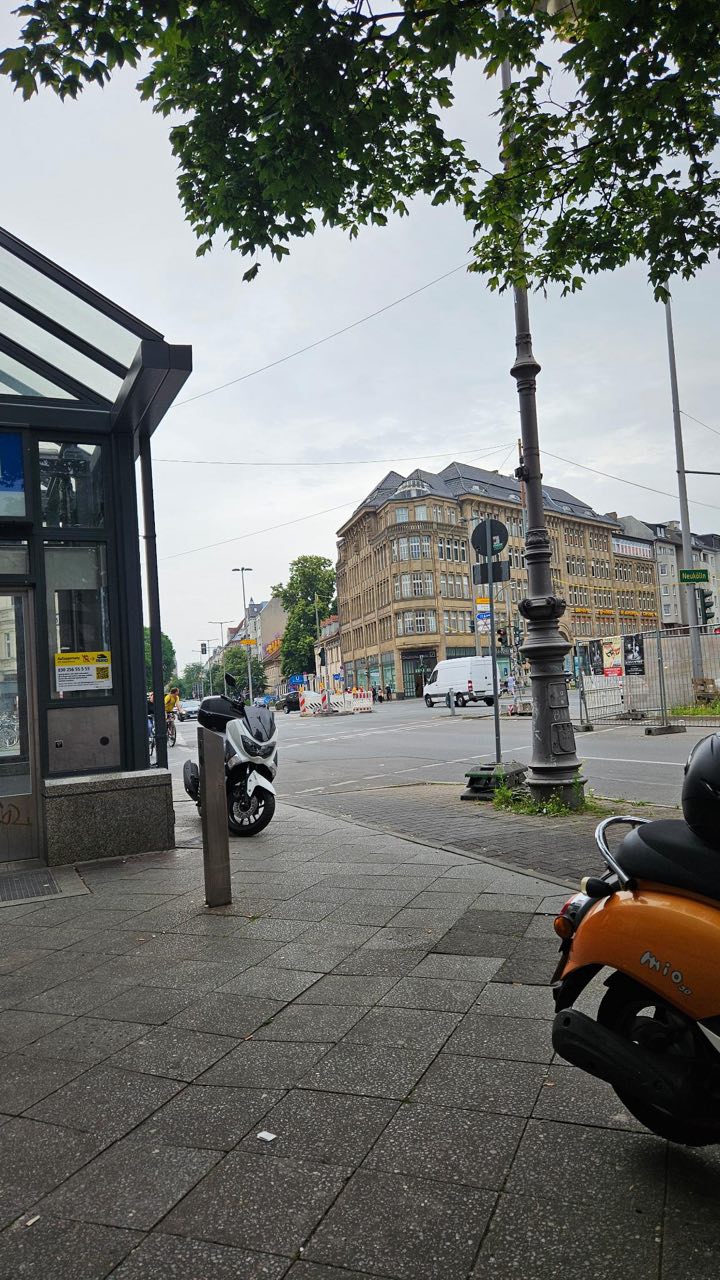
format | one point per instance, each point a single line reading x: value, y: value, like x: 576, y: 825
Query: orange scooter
x: 654, y: 919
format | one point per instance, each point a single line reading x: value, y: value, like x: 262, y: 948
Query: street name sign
x: 694, y: 575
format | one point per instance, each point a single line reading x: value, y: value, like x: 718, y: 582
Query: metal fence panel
x: 656, y: 683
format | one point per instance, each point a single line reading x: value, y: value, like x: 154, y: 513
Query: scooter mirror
x: 230, y: 681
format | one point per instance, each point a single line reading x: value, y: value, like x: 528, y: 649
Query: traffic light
x: 203, y: 647
x: 502, y: 637
x: 707, y: 606
x: 321, y: 657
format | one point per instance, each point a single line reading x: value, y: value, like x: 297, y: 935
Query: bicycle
x: 171, y: 729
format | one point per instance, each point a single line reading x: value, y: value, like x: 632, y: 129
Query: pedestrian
x: 510, y: 685
x: 374, y: 694
x: 388, y: 692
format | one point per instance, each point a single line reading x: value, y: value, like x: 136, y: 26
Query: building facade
x: 404, y: 573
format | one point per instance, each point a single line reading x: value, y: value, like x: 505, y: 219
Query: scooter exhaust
x: 628, y: 1068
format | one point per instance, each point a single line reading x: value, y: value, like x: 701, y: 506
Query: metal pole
x: 153, y: 592
x: 475, y: 608
x: 661, y: 680
x: 243, y: 571
x: 690, y: 602
x: 493, y: 657
x: 554, y: 767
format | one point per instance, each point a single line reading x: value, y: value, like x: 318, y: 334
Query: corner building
x: 404, y: 575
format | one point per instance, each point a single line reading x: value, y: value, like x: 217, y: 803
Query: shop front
x: 82, y: 387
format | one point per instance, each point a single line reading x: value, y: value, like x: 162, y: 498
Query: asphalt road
x: 401, y: 742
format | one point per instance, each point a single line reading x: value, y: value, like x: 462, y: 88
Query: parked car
x: 189, y: 709
x: 290, y: 702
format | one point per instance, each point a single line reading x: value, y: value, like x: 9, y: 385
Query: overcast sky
x: 92, y: 185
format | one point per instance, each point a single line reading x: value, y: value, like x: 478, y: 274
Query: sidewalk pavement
x: 346, y: 1074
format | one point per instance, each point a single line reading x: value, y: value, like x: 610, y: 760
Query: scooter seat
x: 668, y: 852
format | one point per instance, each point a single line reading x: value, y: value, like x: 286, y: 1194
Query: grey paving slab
x: 226, y: 1014
x: 272, y: 930
x: 133, y: 1184
x: 19, y: 1027
x: 57, y: 1249
x: 429, y: 918
x: 448, y: 1145
x: 282, y: 1201
x: 314, y: 1271
x: 350, y: 989
x: 516, y: 1001
x: 533, y: 961
x: 405, y: 1028
x: 573, y: 1097
x: 25, y: 1080
x: 403, y: 1227
x: 198, y: 975
x: 265, y: 1064
x: 624, y: 1169
x: 433, y: 993
x: 106, y: 1101
x: 149, y: 1005
x: 35, y: 1158
x: 690, y: 1249
x: 488, y: 1036
x: 512, y: 903
x: 693, y: 1185
x: 374, y: 1070
x: 380, y: 964
x: 19, y: 958
x: 88, y: 1040
x: 462, y: 968
x: 267, y: 982
x: 77, y: 996
x: 298, y: 955
x: 173, y: 1051
x: 362, y: 913
x: 305, y: 910
x: 206, y: 1116
x: 535, y: 1240
x: 325, y: 1128
x: 482, y: 1084
x: 164, y: 1257
x: 307, y: 1022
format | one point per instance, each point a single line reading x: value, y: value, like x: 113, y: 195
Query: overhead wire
x: 700, y: 422
x: 319, y: 342
x: 623, y: 480
x: 343, y: 462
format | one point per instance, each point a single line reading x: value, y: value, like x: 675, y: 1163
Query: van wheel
x: 428, y: 700
x: 460, y: 700
x: 488, y: 702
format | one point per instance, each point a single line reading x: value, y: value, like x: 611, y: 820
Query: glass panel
x: 13, y: 700
x: 64, y: 307
x: 18, y: 380
x: 71, y: 485
x: 12, y: 475
x: 50, y: 348
x: 14, y: 558
x: 78, y: 621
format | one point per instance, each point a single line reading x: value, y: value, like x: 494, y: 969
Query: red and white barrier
x: 362, y: 700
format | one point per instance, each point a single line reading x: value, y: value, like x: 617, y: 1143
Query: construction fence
x: 669, y: 677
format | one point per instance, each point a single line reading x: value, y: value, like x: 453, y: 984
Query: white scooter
x: 251, y: 757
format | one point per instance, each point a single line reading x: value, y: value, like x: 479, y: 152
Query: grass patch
x: 521, y: 800
x: 698, y: 709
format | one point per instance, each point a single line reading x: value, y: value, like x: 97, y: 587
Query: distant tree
x: 236, y: 665
x: 190, y: 679
x: 309, y: 591
x: 168, y: 658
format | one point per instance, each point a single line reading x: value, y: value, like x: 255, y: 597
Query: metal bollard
x: 213, y: 814
x: 451, y: 697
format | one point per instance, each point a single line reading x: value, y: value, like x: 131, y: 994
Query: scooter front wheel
x: 249, y: 815
x: 637, y: 1014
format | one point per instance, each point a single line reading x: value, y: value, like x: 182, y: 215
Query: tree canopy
x: 311, y: 580
x: 284, y: 114
x: 168, y: 657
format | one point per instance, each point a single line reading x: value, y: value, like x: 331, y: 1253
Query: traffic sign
x: 481, y: 572
x: 498, y: 537
x: 482, y: 600
x: 694, y: 575
x: 251, y: 642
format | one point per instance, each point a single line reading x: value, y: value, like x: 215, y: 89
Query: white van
x: 470, y: 679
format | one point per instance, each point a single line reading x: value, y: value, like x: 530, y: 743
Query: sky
x: 92, y: 184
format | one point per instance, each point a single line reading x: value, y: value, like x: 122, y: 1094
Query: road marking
x: 645, y: 764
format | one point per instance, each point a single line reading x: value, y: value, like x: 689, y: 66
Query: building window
x: 421, y: 513
x: 441, y: 549
x: 403, y: 549
x: 77, y: 610
x: 443, y: 585
x: 401, y: 515
x: 663, y: 570
x: 431, y: 620
x: 429, y: 587
x: 417, y: 584
x: 426, y: 548
x: 406, y: 580
x: 415, y: 548
x: 446, y: 622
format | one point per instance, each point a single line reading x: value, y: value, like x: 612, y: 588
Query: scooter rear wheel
x: 635, y: 1012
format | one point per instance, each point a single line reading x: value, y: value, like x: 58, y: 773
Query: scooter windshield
x: 260, y: 722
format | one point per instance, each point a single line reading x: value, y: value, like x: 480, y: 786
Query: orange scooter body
x: 667, y: 942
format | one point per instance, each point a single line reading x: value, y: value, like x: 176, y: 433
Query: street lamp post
x: 690, y: 605
x: 225, y: 623
x: 242, y: 571
x: 554, y: 768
